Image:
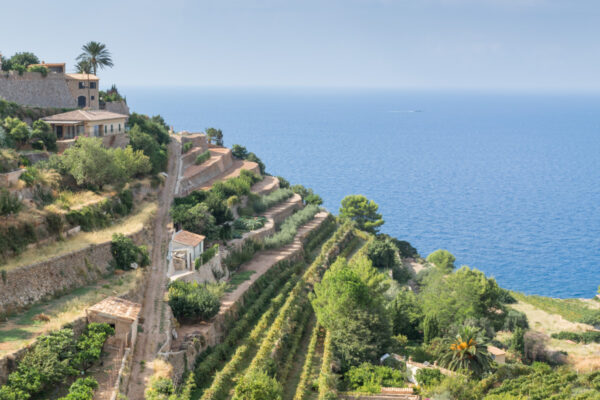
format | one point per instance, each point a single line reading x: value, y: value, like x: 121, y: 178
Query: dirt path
x: 151, y: 338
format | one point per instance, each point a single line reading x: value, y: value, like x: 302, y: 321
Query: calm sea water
x: 510, y: 184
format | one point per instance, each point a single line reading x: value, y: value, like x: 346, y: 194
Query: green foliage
x: 197, y: 219
x: 187, y: 146
x: 111, y: 95
x: 514, y: 319
x: 260, y: 204
x: 541, y: 382
x: 42, y: 132
x: 246, y: 224
x: 370, y: 378
x: 442, y: 259
x: 96, y: 54
x: 239, y: 151
x: 285, y: 184
x: 580, y: 337
x: 307, y: 194
x: 406, y: 314
x: 93, y: 165
x: 9, y: 203
x: 150, y: 146
x: 51, y: 360
x: 202, y: 157
x: 349, y: 303
x: 467, y: 352
x: 363, y: 211
x: 382, y: 253
x: 23, y: 60
x: 207, y: 255
x: 38, y: 68
x: 82, y: 389
x: 290, y: 226
x: 9, y: 160
x: 258, y: 385
x: 237, y: 257
x: 191, y: 301
x: 99, y: 215
x: 14, y: 238
x: 16, y: 130
x: 431, y: 328
x: 125, y: 252
x: 458, y: 387
x: 154, y: 126
x: 89, y: 345
x: 466, y: 293
x: 429, y: 376
x: 160, y: 388
x: 55, y: 223
x: 215, y: 136
x: 517, y: 341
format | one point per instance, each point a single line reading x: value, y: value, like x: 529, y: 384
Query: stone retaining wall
x: 24, y: 286
x: 32, y: 89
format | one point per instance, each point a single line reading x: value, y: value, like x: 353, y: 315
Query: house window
x: 92, y: 85
x: 111, y: 128
x: 81, y: 85
x: 92, y: 97
x: 105, y: 128
x: 81, y: 101
x: 96, y: 130
x: 119, y: 127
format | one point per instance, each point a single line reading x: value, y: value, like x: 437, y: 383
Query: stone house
x: 98, y: 123
x: 187, y: 246
x: 122, y: 315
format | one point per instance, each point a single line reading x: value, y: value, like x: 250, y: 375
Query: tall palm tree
x: 467, y: 352
x: 97, y: 55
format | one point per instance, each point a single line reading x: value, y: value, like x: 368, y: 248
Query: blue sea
x: 509, y: 183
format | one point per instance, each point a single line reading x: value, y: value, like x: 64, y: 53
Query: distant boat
x: 405, y: 111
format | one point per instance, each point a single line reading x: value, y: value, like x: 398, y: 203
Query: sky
x: 526, y: 45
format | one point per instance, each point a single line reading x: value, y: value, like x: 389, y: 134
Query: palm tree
x: 97, y: 55
x: 467, y: 352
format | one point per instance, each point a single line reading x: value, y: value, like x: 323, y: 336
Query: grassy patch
x: 126, y: 226
x: 573, y: 310
x: 19, y: 330
x: 237, y: 279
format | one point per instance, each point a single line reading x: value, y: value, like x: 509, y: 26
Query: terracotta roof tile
x: 84, y: 115
x: 188, y: 238
x: 117, y: 307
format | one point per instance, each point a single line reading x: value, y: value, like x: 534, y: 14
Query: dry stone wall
x: 27, y: 285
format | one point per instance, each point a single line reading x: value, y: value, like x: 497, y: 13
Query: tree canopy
x: 97, y: 55
x: 442, y: 259
x: 362, y: 210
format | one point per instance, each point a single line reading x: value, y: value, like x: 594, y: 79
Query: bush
x: 515, y: 319
x: 55, y: 223
x: 90, y: 343
x: 9, y: 203
x: 580, y: 337
x: 429, y: 376
x: 260, y: 204
x: 370, y: 378
x: 82, y: 389
x: 38, y: 68
x: 187, y: 147
x: 125, y: 252
x: 258, y: 385
x: 283, y: 183
x: 237, y: 257
x: 382, y: 253
x: 290, y: 226
x: 9, y: 160
x: 160, y: 388
x: 442, y: 259
x: 191, y: 301
x: 156, y: 152
x: 205, y: 156
x: 207, y: 255
x: 246, y: 224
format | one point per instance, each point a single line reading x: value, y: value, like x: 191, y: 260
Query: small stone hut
x: 122, y: 315
x: 498, y: 355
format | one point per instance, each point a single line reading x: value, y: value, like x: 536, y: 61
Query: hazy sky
x: 470, y: 44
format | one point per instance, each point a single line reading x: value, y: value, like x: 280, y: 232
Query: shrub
x: 190, y: 301
x: 82, y: 389
x: 202, y: 157
x: 580, y: 337
x: 237, y: 257
x: 38, y: 68
x: 125, y: 252
x: 90, y: 343
x: 258, y: 385
x: 54, y: 222
x: 382, y: 253
x: 160, y: 388
x: 239, y: 151
x: 260, y: 204
x: 429, y: 376
x: 207, y: 255
x: 290, y: 226
x: 514, y: 319
x: 246, y: 224
x: 156, y: 152
x: 442, y: 259
x: 370, y: 378
x: 9, y: 203
x: 283, y: 183
x: 187, y: 147
x: 9, y: 160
